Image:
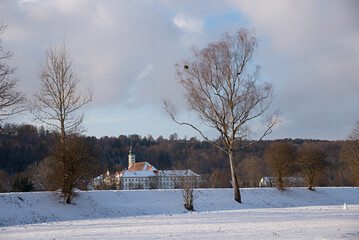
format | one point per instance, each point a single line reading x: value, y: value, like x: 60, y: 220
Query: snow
x: 177, y: 173
x: 265, y: 213
x: 148, y: 167
x: 144, y: 174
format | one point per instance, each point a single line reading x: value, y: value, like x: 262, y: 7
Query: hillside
x: 38, y: 207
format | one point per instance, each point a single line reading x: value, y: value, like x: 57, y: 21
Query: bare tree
x: 74, y: 171
x: 57, y: 104
x: 43, y: 174
x: 5, y: 181
x: 219, y: 179
x: 252, y: 169
x: 350, y: 153
x: 57, y: 101
x: 11, y: 100
x: 280, y: 158
x: 312, y: 161
x: 153, y: 182
x: 222, y: 88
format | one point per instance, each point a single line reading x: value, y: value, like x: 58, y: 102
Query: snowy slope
x: 37, y: 207
x: 313, y: 222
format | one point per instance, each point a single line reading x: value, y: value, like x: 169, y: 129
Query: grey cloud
x: 311, y: 56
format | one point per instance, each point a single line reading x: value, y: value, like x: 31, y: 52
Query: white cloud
x: 145, y: 72
x: 188, y: 24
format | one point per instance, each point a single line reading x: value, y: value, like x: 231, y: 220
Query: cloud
x: 125, y: 51
x: 309, y: 50
x: 111, y: 43
x: 145, y: 72
x: 188, y: 24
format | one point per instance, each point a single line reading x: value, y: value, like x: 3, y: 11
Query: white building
x: 290, y: 181
x: 143, y: 175
x: 266, y: 182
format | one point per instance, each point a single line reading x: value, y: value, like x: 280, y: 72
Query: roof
x: 177, y: 173
x: 142, y: 166
x: 138, y: 174
x: 99, y: 177
x: 267, y: 179
x: 144, y: 169
x: 160, y: 173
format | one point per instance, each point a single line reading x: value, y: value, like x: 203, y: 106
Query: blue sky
x: 125, y: 51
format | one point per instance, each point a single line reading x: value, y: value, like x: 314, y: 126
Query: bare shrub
x: 188, y: 184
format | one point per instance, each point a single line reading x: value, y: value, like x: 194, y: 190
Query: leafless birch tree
x: 223, y: 89
x: 57, y: 104
x: 11, y: 100
x: 58, y: 101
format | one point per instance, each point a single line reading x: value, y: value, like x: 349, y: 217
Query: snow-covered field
x: 159, y: 214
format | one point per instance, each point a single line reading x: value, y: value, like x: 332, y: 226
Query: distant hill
x: 23, y: 145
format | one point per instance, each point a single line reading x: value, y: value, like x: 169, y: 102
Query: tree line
x: 25, y: 148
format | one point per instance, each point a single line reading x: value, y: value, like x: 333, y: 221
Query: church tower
x: 131, y: 158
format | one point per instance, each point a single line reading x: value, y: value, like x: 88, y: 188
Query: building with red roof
x: 143, y: 175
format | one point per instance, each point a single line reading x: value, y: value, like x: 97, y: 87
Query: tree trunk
x: 237, y: 194
x: 66, y: 190
x: 280, y: 182
x: 68, y: 199
x: 310, y: 180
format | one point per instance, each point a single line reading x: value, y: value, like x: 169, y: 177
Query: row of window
x: 147, y: 179
x: 147, y: 184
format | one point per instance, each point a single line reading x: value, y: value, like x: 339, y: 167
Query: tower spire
x: 131, y: 157
x: 130, y: 152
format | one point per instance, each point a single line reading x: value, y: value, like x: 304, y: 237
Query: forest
x: 23, y: 146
